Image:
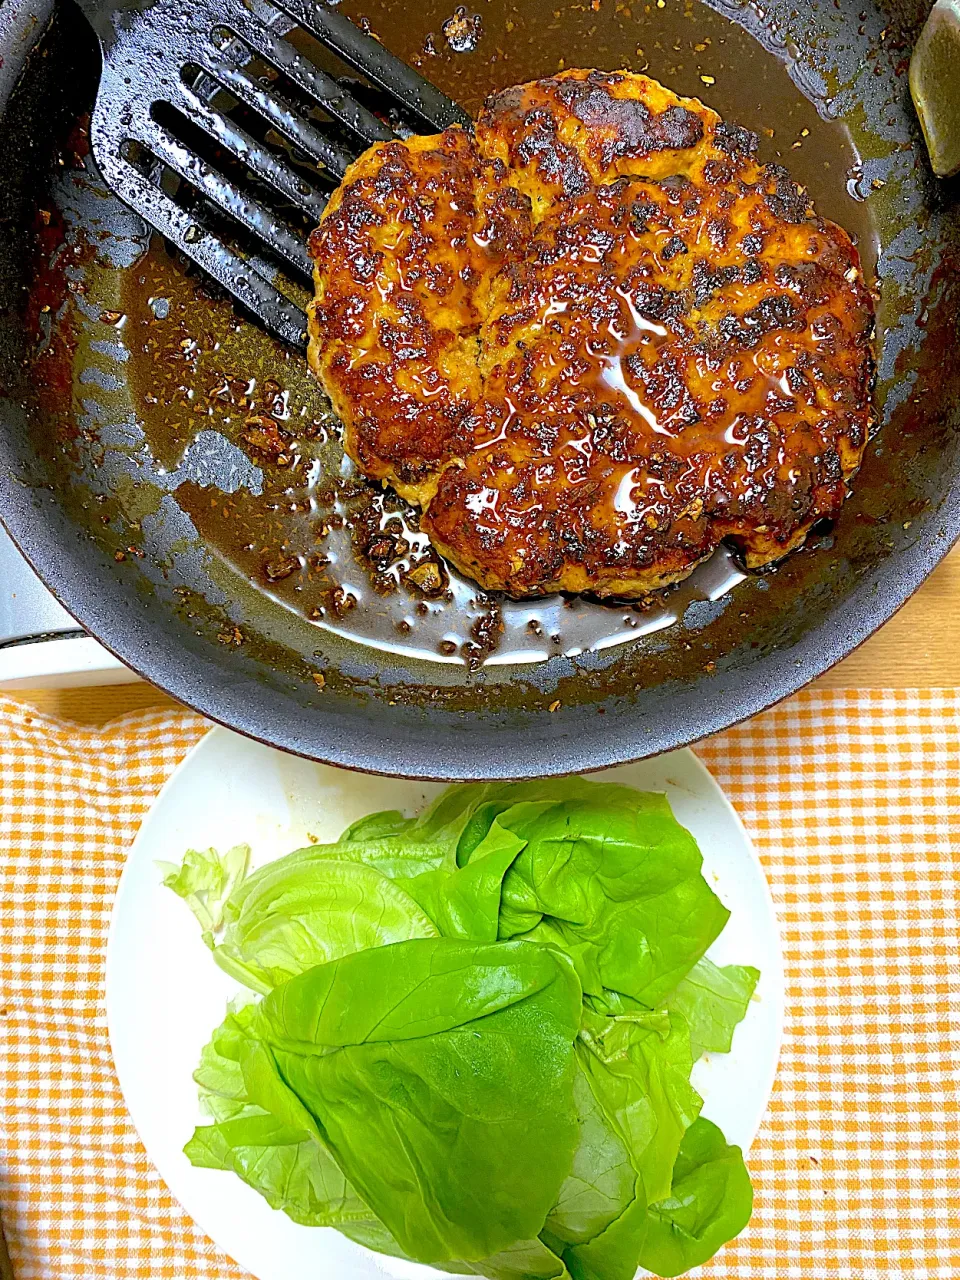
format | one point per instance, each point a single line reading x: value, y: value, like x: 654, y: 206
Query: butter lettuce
x: 423, y: 1064
x: 287, y: 918
x: 714, y: 1002
x: 710, y: 1202
x: 281, y: 1161
x: 476, y: 1032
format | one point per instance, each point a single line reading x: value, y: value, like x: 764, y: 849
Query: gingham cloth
x: 853, y: 800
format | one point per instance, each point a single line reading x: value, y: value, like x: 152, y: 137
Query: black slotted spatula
x: 215, y: 125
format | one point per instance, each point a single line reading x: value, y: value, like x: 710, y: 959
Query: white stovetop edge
x: 65, y: 663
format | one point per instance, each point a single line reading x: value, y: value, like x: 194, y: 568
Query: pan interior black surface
x: 177, y: 477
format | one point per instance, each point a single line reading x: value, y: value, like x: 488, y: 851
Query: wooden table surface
x: 918, y: 649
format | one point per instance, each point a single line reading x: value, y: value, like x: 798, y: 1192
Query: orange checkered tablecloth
x: 853, y: 800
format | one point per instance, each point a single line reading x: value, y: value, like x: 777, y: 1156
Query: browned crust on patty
x: 593, y: 340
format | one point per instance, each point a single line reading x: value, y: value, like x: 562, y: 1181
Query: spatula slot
x: 238, y: 202
x: 301, y: 80
x: 180, y: 207
x: 264, y: 168
x: 368, y: 56
x: 275, y: 107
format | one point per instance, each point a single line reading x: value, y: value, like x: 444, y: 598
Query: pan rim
x: 777, y: 676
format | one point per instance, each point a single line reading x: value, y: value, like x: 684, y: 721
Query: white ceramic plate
x: 165, y: 995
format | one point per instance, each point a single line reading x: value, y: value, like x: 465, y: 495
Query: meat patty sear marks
x: 593, y: 338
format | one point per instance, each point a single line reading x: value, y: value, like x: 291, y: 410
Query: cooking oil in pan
x: 286, y: 511
x: 299, y: 522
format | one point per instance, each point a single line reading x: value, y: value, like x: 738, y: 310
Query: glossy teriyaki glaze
x: 656, y: 345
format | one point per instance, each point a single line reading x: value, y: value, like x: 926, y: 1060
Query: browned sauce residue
x: 177, y: 391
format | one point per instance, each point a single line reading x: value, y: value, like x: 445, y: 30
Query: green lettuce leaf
x: 619, y: 883
x: 464, y: 902
x: 601, y: 871
x: 440, y: 1075
x: 525, y: 1260
x: 296, y: 913
x: 714, y: 1001
x: 613, y: 1254
x: 205, y: 880
x: 478, y: 1032
x: 402, y: 848
x: 637, y: 1068
x: 285, y: 1164
x: 710, y: 1203
x: 222, y: 1093
x: 602, y: 1179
